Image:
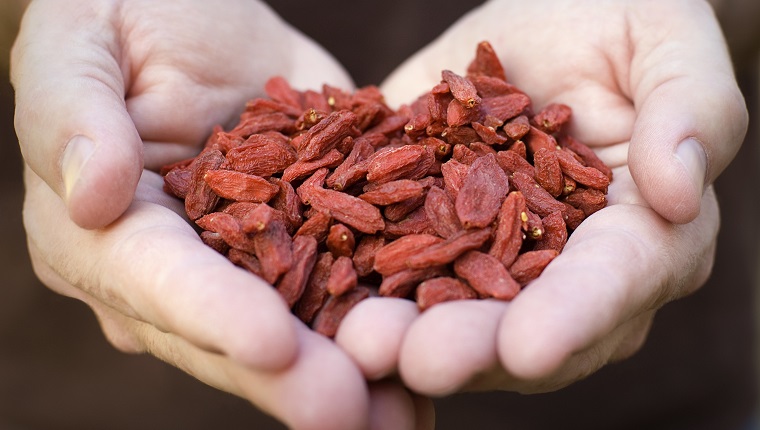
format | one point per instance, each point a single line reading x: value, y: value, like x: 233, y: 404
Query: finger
x: 449, y: 344
x: 372, y: 334
x: 71, y: 120
x: 390, y: 405
x: 691, y: 115
x: 623, y: 261
x: 191, y: 93
x: 621, y: 343
x: 151, y: 266
x: 282, y: 394
x: 321, y: 389
x: 113, y: 330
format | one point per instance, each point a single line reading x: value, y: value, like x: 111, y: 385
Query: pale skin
x: 102, y: 230
x: 638, y: 83
x: 638, y: 86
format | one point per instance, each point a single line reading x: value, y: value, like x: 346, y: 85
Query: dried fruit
x: 261, y: 155
x: 486, y: 63
x: 511, y: 162
x: 441, y: 213
x: 402, y: 284
x: 302, y: 168
x: 245, y: 260
x: 229, y: 229
x: 348, y: 209
x: 392, y: 192
x: 538, y: 199
x: 587, y: 200
x: 340, y: 241
x: 588, y: 176
x: 442, y: 289
x: 530, y: 264
x: 315, y: 292
x: 343, y: 276
x: 317, y: 226
x: 486, y: 275
x: 517, y: 128
x: 415, y: 223
x: 447, y: 251
x: 328, y: 195
x: 509, y: 238
x: 552, y: 117
x: 215, y: 241
x: 272, y: 247
x: 293, y: 282
x: 555, y: 233
x: 326, y: 134
x: 366, y: 250
x: 507, y: 106
x: 587, y: 154
x: 392, y: 257
x: 239, y: 186
x: 177, y: 181
x: 331, y: 314
x: 548, y: 171
x: 403, y: 162
x: 462, y: 89
x: 200, y: 199
x: 483, y: 190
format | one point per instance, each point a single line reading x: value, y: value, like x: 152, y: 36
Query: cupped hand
x: 105, y: 86
x: 105, y: 89
x: 156, y: 288
x: 652, y: 90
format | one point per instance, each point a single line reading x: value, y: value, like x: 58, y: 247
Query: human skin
x: 633, y: 108
x: 107, y: 91
x: 653, y: 92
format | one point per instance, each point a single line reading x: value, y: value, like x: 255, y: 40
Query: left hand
x: 142, y: 82
x: 179, y: 300
x: 635, y: 75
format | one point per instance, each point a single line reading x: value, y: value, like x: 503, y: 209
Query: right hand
x: 635, y: 98
x: 106, y: 88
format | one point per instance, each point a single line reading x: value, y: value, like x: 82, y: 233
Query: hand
x: 667, y: 121
x: 102, y: 86
x: 98, y: 83
x: 156, y: 288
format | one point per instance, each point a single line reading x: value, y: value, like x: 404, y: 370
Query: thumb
x: 71, y: 119
x: 691, y: 114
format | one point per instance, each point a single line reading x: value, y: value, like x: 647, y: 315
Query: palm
x: 591, y: 305
x: 179, y: 68
x: 198, y: 65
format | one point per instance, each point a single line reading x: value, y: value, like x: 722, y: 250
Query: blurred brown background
x: 57, y: 372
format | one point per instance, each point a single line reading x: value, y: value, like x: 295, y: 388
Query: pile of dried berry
x: 328, y: 195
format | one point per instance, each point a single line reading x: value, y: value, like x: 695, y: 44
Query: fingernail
x: 75, y: 156
x: 692, y: 154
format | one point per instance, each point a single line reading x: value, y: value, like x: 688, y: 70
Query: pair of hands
x: 109, y: 91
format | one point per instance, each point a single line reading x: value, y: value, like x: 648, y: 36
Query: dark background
x: 57, y: 371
